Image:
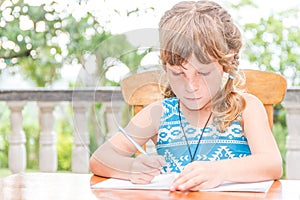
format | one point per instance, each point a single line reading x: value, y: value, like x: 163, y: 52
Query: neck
x: 196, y: 118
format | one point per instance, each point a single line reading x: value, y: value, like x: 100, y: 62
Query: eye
x: 176, y: 73
x: 204, y: 73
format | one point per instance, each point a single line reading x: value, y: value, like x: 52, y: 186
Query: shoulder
x: 253, y: 105
x: 251, y: 100
x: 157, y: 108
x: 151, y: 112
x: 163, y: 103
x: 154, y: 106
x: 146, y: 122
x: 254, y: 114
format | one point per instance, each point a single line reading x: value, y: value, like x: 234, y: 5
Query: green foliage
x: 274, y: 46
x: 64, y: 144
x: 280, y: 133
x: 133, y: 58
x: 64, y: 134
x: 31, y: 130
x: 41, y: 71
x: 32, y: 133
x: 96, y: 125
x: 30, y: 46
x: 4, y: 132
x: 50, y: 38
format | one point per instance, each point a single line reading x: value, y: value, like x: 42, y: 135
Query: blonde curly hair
x: 206, y: 30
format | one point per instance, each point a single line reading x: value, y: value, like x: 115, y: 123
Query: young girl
x: 206, y: 130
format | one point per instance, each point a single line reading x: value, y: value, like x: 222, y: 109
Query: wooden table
x: 68, y: 186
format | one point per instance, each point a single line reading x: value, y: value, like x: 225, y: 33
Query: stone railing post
x: 81, y: 151
x: 292, y: 105
x: 17, y: 139
x: 81, y: 98
x: 48, y: 152
x: 113, y: 113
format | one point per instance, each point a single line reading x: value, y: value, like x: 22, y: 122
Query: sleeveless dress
x: 214, y: 145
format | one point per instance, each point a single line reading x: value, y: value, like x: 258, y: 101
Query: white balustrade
x: 82, y: 101
x: 17, y: 139
x: 292, y: 105
x: 46, y: 99
x: 48, y: 152
x: 113, y: 116
x: 80, y: 152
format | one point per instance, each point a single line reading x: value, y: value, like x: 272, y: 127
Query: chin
x: 193, y: 106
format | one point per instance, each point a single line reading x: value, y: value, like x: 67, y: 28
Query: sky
x: 150, y: 19
x: 118, y: 22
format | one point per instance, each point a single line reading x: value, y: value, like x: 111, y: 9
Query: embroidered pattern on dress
x: 214, y: 145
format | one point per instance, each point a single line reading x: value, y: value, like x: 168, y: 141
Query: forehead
x: 194, y: 63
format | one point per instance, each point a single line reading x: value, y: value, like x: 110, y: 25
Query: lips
x: 193, y: 98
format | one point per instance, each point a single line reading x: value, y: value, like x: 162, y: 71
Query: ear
x: 230, y: 59
x: 224, y: 79
x: 231, y: 55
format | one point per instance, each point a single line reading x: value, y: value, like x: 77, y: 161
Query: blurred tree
x: 38, y: 40
x: 41, y: 39
x: 273, y: 44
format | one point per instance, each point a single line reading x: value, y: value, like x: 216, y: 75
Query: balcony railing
x: 112, y: 101
x: 292, y: 105
x: 81, y: 100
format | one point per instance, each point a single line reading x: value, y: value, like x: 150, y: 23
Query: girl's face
x: 194, y: 83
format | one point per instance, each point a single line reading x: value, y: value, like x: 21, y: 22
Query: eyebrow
x: 172, y: 69
x: 180, y: 65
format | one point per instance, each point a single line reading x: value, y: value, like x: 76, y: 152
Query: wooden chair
x: 141, y: 89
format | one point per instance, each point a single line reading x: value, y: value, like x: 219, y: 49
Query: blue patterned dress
x: 214, y: 145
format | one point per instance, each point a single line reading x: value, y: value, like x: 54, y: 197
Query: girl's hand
x: 199, y: 175
x: 145, y: 167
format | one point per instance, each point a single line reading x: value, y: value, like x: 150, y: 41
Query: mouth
x: 192, y: 98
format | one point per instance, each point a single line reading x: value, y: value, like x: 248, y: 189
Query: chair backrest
x: 144, y: 88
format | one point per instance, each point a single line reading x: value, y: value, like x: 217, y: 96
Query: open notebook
x: 164, y: 181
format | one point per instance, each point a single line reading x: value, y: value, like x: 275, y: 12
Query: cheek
x: 176, y: 86
x: 175, y: 81
x: 213, y: 84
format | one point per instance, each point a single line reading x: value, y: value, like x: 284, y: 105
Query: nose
x: 192, y: 83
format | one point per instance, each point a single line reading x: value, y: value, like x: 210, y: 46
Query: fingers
x: 151, y: 162
x: 155, y: 162
x: 191, y: 184
x: 203, y: 185
x: 197, y: 176
x: 145, y: 168
x: 189, y: 179
x: 185, y: 182
x: 161, y: 160
x: 141, y: 178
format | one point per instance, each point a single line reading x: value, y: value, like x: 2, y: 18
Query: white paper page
x: 160, y: 182
x: 164, y: 181
x: 263, y: 186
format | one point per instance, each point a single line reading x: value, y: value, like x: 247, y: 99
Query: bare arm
x: 114, y: 157
x: 265, y: 162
